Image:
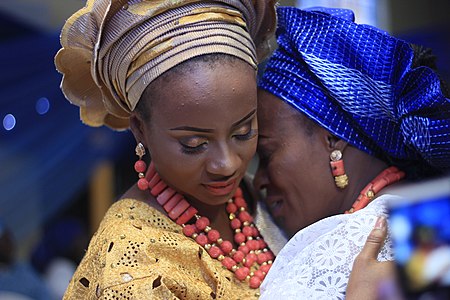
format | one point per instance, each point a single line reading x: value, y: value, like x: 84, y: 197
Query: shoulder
x: 321, y: 256
x: 130, y: 206
x: 131, y: 237
x: 135, y: 213
x: 139, y: 251
x: 330, y: 242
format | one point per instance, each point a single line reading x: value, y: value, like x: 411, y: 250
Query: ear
x: 332, y: 142
x: 137, y: 128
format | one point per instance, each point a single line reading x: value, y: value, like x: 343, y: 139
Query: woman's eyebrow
x: 206, y: 130
x: 244, y: 118
x: 189, y: 128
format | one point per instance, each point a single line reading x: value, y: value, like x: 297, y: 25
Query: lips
x: 221, y: 188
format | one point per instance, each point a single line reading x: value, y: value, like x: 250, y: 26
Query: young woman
x: 182, y: 76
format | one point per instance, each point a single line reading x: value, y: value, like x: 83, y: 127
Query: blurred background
x: 57, y: 176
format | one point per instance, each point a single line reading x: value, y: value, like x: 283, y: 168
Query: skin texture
x: 202, y: 130
x: 294, y: 170
x: 294, y: 167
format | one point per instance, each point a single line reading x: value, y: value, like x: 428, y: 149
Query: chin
x: 281, y: 223
x: 293, y: 229
x: 290, y: 233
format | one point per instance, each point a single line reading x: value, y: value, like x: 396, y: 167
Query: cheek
x: 172, y: 165
x: 291, y: 174
x: 246, y: 151
x: 175, y: 170
x: 285, y: 166
x: 251, y: 149
x: 279, y: 171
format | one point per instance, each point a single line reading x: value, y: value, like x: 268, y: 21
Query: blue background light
x: 9, y: 122
x: 42, y: 106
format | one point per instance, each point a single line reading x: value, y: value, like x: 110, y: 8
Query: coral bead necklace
x: 250, y: 261
x: 387, y: 177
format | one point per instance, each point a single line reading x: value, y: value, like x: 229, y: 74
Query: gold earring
x: 337, y: 169
x: 140, y: 150
x: 141, y: 167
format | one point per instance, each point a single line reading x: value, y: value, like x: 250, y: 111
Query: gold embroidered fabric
x: 139, y: 253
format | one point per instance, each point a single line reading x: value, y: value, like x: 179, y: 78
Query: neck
x: 210, y: 211
x: 252, y: 250
x: 360, y: 174
x: 385, y: 178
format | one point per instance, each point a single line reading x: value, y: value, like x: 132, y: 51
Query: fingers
x: 367, y: 271
x: 375, y: 240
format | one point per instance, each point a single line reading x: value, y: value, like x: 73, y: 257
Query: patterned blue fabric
x: 357, y: 82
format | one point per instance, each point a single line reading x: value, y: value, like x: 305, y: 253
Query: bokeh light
x: 401, y: 229
x: 9, y: 122
x: 42, y: 105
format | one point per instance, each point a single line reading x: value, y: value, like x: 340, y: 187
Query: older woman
x: 345, y: 111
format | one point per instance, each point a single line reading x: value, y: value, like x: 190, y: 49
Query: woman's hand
x: 371, y: 279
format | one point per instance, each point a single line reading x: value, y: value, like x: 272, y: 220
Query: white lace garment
x: 317, y: 261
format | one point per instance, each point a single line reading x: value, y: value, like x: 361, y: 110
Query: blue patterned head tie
x: 358, y: 82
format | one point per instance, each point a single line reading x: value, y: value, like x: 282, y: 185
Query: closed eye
x: 251, y: 133
x: 245, y: 132
x: 193, y: 145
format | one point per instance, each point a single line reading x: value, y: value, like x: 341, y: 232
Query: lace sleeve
x: 317, y: 261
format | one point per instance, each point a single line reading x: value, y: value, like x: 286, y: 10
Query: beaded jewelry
x: 387, y: 177
x: 337, y: 169
x: 251, y: 261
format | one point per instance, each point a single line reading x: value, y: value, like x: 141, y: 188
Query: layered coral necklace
x: 387, y: 177
x: 251, y: 261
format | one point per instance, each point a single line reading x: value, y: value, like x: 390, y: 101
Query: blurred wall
x: 415, y: 15
x: 395, y: 16
x: 45, y: 15
x: 49, y: 15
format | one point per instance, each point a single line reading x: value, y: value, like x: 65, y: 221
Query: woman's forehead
x: 217, y: 96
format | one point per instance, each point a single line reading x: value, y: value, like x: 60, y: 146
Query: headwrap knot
x: 358, y: 82
x: 113, y: 49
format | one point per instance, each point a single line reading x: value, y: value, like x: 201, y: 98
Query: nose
x: 260, y: 181
x: 224, y: 162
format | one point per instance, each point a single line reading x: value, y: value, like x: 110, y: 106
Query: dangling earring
x: 140, y: 167
x: 337, y: 168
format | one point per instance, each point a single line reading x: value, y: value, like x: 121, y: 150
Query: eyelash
x: 246, y: 136
x: 193, y: 150
x: 200, y: 148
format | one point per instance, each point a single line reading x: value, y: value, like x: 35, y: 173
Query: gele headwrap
x: 358, y: 82
x: 113, y: 49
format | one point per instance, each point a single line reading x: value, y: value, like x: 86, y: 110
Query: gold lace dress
x: 139, y: 253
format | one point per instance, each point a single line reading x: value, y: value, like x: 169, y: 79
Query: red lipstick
x: 221, y: 188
